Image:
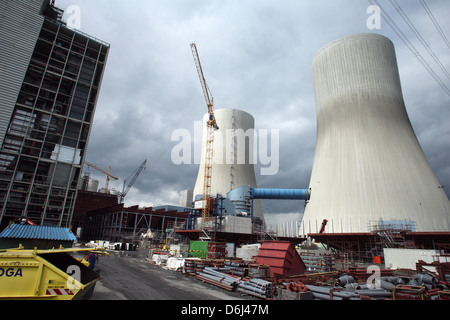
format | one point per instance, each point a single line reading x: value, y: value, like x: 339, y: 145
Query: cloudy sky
x: 256, y: 56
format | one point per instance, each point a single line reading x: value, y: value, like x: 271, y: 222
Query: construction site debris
x: 258, y: 287
x: 276, y: 279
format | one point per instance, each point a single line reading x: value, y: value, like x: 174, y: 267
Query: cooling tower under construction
x: 233, y: 155
x: 368, y: 164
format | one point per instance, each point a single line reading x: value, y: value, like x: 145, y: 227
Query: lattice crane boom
x: 133, y: 180
x: 211, y: 126
x: 108, y: 174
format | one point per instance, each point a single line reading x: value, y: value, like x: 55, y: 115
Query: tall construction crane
x: 108, y: 174
x: 211, y: 126
x: 125, y: 191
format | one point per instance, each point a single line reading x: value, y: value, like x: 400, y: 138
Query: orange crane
x: 108, y: 174
x: 211, y: 126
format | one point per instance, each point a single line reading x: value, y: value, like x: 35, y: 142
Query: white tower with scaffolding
x: 233, y: 163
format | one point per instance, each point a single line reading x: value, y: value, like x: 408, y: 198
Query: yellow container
x: 45, y: 274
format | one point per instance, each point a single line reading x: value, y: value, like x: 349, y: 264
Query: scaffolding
x: 44, y: 146
x: 129, y: 224
x: 390, y: 234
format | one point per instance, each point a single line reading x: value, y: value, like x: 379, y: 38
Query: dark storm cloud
x: 256, y: 56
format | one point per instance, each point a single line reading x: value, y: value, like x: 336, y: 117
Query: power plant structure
x: 227, y: 168
x: 50, y: 80
x: 369, y: 167
x: 236, y: 208
x: 372, y: 201
x: 232, y: 165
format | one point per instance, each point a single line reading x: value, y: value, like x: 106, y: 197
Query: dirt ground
x: 131, y: 276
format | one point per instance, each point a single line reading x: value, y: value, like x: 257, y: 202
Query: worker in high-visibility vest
x: 92, y: 257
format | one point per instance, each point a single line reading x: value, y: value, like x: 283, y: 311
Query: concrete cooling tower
x: 233, y: 152
x: 368, y: 164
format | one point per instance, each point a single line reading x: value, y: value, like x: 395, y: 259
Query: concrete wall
x: 368, y: 163
x: 233, y: 165
x: 407, y: 258
x: 237, y: 224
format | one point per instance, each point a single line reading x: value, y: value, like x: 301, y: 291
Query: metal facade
x: 50, y: 118
x: 19, y: 30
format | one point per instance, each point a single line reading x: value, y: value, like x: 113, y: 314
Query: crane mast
x: 107, y: 173
x: 211, y: 126
x: 133, y: 180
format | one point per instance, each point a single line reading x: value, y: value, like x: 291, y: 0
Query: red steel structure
x: 281, y: 257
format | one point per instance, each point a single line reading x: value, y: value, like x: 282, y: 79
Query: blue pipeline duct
x: 282, y: 194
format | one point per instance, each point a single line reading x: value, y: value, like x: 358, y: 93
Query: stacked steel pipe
x: 257, y: 287
x: 216, y: 250
x: 419, y: 287
x: 218, y: 278
x: 259, y: 271
x: 238, y: 268
x: 189, y: 266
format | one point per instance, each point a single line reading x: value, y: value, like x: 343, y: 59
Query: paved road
x: 135, y: 278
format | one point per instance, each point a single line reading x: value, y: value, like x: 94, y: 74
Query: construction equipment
x: 46, y: 274
x: 108, y: 174
x: 27, y: 221
x: 322, y: 228
x: 211, y: 126
x: 136, y: 174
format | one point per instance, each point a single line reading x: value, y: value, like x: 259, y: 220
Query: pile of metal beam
x: 258, y: 271
x: 258, y: 288
x: 222, y: 278
x: 339, y: 293
x: 216, y: 250
x: 200, y: 265
x: 238, y: 268
x: 419, y: 287
x: 362, y: 274
x: 218, y: 278
x: 349, y: 284
x: 330, y: 293
x: 319, y: 262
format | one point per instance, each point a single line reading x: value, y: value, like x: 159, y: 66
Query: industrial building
x: 49, y: 84
x: 371, y: 187
x: 233, y: 164
x: 368, y: 164
x: 129, y: 224
x: 88, y: 201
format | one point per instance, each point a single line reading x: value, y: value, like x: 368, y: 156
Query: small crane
x: 125, y: 191
x: 108, y: 174
x: 211, y: 126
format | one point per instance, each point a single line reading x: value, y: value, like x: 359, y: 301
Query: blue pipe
x: 283, y: 194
